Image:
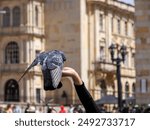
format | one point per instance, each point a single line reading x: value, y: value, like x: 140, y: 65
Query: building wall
x: 142, y: 51
x: 102, y: 32
x: 29, y: 36
x: 66, y: 23
x: 74, y: 27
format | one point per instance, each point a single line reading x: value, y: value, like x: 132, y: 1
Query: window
x: 133, y: 29
x: 12, y: 53
x: 127, y: 90
x: 112, y: 24
x: 38, y: 95
x: 101, y: 22
x: 127, y: 60
x: 126, y: 28
x: 103, y: 88
x: 16, y: 16
x: 143, y: 86
x: 102, y: 53
x: 133, y: 90
x: 11, y: 91
x: 133, y: 60
x: 6, y: 17
x: 36, y: 16
x: 119, y: 26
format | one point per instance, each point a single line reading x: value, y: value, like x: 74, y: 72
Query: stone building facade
x: 84, y: 30
x: 21, y: 38
x: 142, y: 51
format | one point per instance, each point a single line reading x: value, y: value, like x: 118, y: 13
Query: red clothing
x: 62, y: 109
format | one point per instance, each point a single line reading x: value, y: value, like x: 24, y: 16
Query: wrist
x: 76, y: 78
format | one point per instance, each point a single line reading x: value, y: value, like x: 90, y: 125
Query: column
x: 27, y: 51
x: 21, y: 52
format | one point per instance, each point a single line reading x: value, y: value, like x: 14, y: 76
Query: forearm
x: 86, y: 99
x: 83, y: 94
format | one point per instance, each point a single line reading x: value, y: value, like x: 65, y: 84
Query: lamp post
x: 120, y: 57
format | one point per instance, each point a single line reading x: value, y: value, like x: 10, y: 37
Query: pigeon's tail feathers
x: 34, y: 63
x: 24, y: 74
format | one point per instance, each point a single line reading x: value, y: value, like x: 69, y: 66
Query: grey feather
x: 51, y: 63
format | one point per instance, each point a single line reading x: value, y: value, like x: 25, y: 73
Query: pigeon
x: 51, y: 64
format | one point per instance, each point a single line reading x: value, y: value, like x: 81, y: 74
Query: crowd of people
x: 29, y: 108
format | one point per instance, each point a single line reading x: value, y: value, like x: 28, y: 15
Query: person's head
x: 51, y: 110
x: 28, y: 105
x: 62, y: 107
x: 8, y: 106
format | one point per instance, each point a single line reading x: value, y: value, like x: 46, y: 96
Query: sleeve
x: 86, y: 99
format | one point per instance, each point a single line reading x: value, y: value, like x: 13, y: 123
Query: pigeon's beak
x: 32, y: 65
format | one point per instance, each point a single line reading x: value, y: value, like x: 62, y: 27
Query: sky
x: 128, y: 1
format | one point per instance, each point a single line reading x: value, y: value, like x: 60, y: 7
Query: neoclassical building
x: 22, y: 37
x: 83, y: 29
x: 142, y: 51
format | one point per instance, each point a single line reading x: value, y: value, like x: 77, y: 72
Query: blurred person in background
x: 62, y: 109
x: 70, y: 109
x: 9, y: 109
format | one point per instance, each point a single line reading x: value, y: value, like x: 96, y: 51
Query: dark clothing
x: 86, y: 99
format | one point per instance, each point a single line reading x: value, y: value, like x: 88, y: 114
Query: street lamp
x: 120, y: 57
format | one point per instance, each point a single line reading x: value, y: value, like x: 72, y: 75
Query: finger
x: 66, y: 68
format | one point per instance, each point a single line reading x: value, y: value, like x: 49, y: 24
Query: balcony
x: 105, y: 67
x: 21, y: 30
x: 17, y: 68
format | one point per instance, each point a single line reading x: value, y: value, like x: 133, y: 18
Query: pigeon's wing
x: 52, y: 70
x: 41, y: 57
x: 52, y: 79
x: 63, y: 55
x: 56, y: 75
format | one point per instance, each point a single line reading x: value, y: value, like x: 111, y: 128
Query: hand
x: 67, y: 71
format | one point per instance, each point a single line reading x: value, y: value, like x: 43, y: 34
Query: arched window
x: 36, y: 16
x: 12, y: 53
x: 127, y: 90
x: 11, y: 91
x: 16, y: 16
x: 119, y: 26
x: 6, y: 17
